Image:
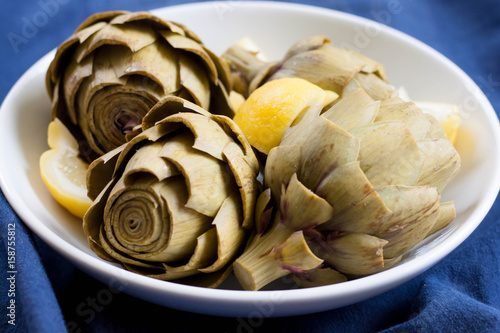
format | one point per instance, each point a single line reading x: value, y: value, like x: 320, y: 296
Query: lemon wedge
x: 63, y: 172
x: 272, y: 108
x: 446, y: 114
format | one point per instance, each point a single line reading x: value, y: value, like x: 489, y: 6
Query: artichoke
x: 314, y: 59
x: 176, y: 202
x: 117, y: 65
x: 350, y: 189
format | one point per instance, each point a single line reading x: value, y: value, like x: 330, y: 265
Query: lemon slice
x: 446, y: 114
x: 63, y: 172
x: 272, y: 108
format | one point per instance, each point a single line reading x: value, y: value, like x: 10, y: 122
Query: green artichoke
x: 316, y: 60
x: 350, y: 189
x: 117, y: 65
x: 177, y: 201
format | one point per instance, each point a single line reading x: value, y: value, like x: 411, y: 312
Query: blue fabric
x: 459, y: 294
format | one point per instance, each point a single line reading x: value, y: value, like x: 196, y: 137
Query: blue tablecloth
x: 459, y: 294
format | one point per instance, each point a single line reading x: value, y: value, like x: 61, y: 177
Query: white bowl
x: 424, y: 73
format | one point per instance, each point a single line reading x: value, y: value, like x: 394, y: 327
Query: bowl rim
x: 386, y: 279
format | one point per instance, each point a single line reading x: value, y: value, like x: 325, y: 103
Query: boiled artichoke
x: 350, y: 189
x: 316, y: 60
x: 176, y: 202
x: 117, y: 65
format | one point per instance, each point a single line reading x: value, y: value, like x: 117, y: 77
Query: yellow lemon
x: 63, y: 172
x: 446, y: 114
x: 272, y: 108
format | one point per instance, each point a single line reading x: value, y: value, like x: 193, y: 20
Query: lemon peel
x: 63, y: 171
x: 272, y: 108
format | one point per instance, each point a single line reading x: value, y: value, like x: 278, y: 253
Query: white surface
x: 426, y: 75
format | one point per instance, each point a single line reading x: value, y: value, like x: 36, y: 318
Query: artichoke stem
x: 257, y: 266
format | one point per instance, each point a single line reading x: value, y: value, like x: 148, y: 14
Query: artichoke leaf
x: 92, y: 220
x: 101, y: 170
x: 441, y: 163
x: 307, y: 44
x: 325, y: 146
x: 184, y: 224
x: 230, y: 234
x: 192, y: 78
x: 409, y: 114
x: 354, y: 110
x: 207, y: 178
x: 351, y: 253
x: 245, y: 178
x: 235, y: 132
x: 300, y: 208
x: 263, y: 211
x: 56, y: 106
x: 377, y: 88
x: 446, y: 215
x: 184, y: 43
x: 389, y: 154
x: 72, y: 78
x: 357, y: 207
x: 145, y: 15
x: 294, y: 254
x: 244, y: 66
x: 219, y: 100
x: 436, y: 130
x: 415, y: 209
x: 168, y: 106
x: 301, y: 121
x: 151, y: 223
x: 209, y: 136
x: 329, y: 67
x: 157, y: 61
x: 152, y: 134
x: 207, y: 280
x: 223, y: 69
x: 56, y: 66
x: 133, y: 216
x: 148, y: 160
x: 370, y: 66
x: 128, y: 17
x: 320, y: 276
x: 104, y: 75
x: 203, y: 255
x: 100, y: 17
x: 133, y: 36
x: 281, y: 164
x: 118, y: 256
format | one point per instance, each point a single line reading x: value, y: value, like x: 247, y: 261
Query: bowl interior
x: 424, y: 73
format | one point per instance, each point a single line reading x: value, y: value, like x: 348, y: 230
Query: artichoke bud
x: 314, y: 59
x: 117, y: 65
x: 177, y: 201
x: 361, y: 182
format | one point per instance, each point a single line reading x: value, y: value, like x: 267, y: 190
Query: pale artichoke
x: 316, y: 60
x: 350, y: 190
x: 117, y: 65
x: 178, y: 199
